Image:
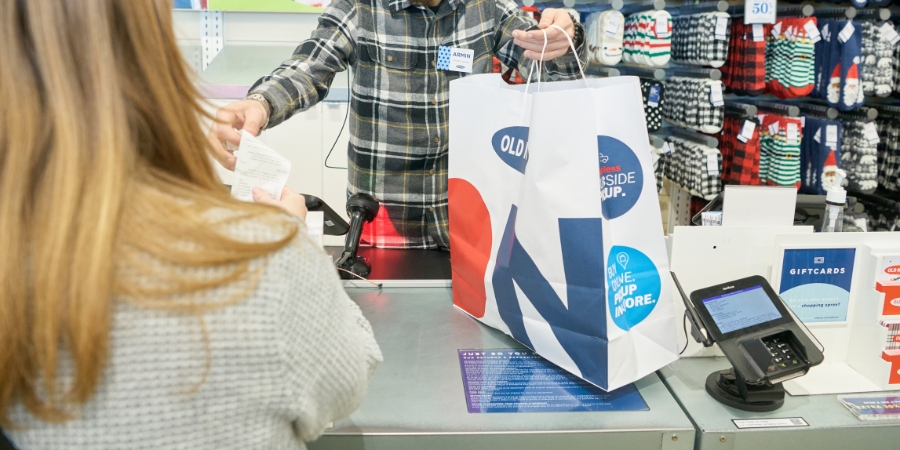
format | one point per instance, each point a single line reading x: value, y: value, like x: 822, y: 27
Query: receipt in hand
x: 258, y: 165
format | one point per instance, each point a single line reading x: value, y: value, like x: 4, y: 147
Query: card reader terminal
x: 760, y: 336
x: 784, y: 357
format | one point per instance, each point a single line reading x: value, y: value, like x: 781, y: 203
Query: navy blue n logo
x: 580, y: 328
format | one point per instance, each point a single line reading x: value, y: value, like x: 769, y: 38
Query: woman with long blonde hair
x: 140, y: 305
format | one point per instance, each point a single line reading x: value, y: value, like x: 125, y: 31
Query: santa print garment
x: 840, y: 81
x: 819, y: 157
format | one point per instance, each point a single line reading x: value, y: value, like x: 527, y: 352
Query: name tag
x: 455, y: 59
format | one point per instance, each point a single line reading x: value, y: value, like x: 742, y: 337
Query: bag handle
x: 540, y: 63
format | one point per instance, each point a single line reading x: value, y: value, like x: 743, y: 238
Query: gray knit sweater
x: 290, y: 358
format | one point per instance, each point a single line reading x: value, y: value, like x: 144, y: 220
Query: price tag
x: 747, y: 131
x: 759, y: 35
x: 888, y: 33
x: 872, y: 133
x: 831, y: 135
x: 722, y: 28
x: 711, y: 218
x: 715, y: 94
x: 759, y: 11
x: 818, y: 136
x: 774, y: 128
x: 612, y: 27
x: 662, y: 27
x: 826, y: 33
x: 653, y: 97
x: 776, y: 30
x: 812, y: 32
x: 789, y: 33
x: 847, y: 32
x: 793, y: 134
x: 712, y: 164
x: 666, y: 148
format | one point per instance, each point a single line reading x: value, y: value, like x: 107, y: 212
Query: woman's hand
x: 291, y: 202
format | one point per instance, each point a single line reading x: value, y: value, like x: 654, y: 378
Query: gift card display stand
x: 862, y: 344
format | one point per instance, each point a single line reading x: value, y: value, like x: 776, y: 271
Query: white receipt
x: 258, y: 166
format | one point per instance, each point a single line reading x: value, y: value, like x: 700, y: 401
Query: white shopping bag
x: 555, y: 230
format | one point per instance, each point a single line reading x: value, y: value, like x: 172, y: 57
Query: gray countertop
x: 831, y: 425
x: 416, y: 399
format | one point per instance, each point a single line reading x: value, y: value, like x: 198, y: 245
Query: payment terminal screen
x: 741, y: 309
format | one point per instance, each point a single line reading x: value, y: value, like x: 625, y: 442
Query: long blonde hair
x: 102, y: 161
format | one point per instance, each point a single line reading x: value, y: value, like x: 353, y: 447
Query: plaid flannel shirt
x: 399, y: 100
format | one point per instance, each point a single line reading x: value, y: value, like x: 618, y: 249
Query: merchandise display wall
x: 417, y: 397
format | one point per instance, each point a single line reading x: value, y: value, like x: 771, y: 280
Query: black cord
x: 349, y: 94
x: 684, y: 325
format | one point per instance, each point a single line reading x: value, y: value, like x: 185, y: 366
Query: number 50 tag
x: 759, y: 11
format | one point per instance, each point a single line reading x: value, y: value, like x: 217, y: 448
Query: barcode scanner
x: 361, y: 208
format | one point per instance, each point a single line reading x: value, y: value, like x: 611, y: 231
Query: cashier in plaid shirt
x: 400, y: 95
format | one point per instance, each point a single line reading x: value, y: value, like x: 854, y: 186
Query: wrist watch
x: 266, y: 106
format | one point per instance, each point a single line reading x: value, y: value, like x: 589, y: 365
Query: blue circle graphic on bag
x: 632, y: 286
x: 511, y: 145
x: 621, y: 176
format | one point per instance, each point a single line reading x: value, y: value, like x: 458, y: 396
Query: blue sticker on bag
x: 511, y: 145
x: 621, y: 177
x: 632, y: 286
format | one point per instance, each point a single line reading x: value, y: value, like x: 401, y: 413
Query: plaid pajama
x: 859, y: 158
x: 740, y: 160
x: 889, y: 154
x: 686, y: 166
x: 744, y: 71
x: 688, y: 104
x: 399, y: 105
x: 694, y: 41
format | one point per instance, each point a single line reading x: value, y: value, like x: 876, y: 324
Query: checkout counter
x: 417, y: 399
x: 830, y: 424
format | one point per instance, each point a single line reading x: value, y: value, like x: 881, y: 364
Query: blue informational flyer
x: 518, y: 380
x: 873, y: 407
x: 815, y: 283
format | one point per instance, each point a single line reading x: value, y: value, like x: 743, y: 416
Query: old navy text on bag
x: 587, y: 295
